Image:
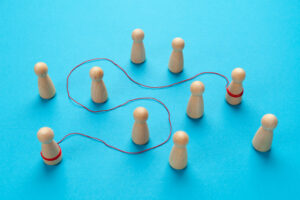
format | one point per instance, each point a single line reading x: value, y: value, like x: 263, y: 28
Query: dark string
x: 129, y: 101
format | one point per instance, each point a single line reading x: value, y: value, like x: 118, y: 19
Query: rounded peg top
x: 137, y: 34
x: 269, y: 121
x: 181, y: 138
x: 238, y: 75
x: 178, y: 43
x: 140, y: 114
x: 96, y: 73
x: 197, y: 88
x: 45, y: 135
x: 40, y: 68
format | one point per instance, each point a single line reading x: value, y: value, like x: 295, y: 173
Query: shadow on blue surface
x: 44, y: 102
x: 196, y: 121
x: 47, y: 177
x: 196, y: 124
x: 265, y: 156
x: 39, y: 107
x: 235, y: 107
x: 135, y: 147
x: 176, y: 77
x: 137, y: 69
x: 178, y: 173
x: 47, y: 170
x: 99, y: 106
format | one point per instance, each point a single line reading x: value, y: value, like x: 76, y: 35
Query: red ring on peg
x: 54, y: 158
x: 234, y: 95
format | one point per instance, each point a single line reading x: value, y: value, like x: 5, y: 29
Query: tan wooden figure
x: 178, y: 156
x: 195, y: 106
x: 262, y: 140
x: 138, y: 50
x: 176, y: 58
x: 45, y: 84
x: 51, y: 151
x: 98, y: 89
x: 140, y: 131
x: 235, y: 89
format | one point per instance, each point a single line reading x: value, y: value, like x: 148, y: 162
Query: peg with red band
x: 234, y: 95
x: 235, y: 89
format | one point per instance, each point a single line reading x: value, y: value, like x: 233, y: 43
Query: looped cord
x: 129, y: 101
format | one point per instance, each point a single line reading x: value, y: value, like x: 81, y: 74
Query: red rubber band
x: 54, y: 158
x: 234, y: 95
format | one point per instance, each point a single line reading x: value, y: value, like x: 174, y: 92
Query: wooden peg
x: 98, y: 89
x: 176, y: 58
x: 178, y: 156
x: 45, y: 84
x: 138, y: 51
x: 262, y: 140
x: 235, y: 89
x: 140, y: 131
x: 195, y: 106
x: 51, y: 151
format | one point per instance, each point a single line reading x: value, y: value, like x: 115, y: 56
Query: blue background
x: 262, y: 37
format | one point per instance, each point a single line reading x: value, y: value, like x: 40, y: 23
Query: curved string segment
x: 129, y: 101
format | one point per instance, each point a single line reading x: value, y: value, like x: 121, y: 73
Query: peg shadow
x: 235, y: 107
x: 39, y: 101
x: 139, y: 71
x: 49, y: 169
x: 44, y: 173
x: 177, y: 176
x: 262, y: 161
x: 38, y: 106
x: 98, y: 106
x: 175, y: 77
x: 138, y: 64
x: 138, y: 68
x: 182, y: 179
x: 263, y: 155
x: 136, y: 147
x: 237, y: 110
x: 196, y: 124
x: 197, y: 121
x: 45, y: 176
x: 178, y: 173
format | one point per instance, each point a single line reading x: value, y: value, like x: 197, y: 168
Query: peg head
x: 140, y: 114
x: 96, y: 73
x: 178, y: 43
x: 181, y: 138
x: 40, y: 68
x: 45, y: 135
x: 197, y: 88
x: 269, y: 121
x: 238, y: 75
x: 137, y: 34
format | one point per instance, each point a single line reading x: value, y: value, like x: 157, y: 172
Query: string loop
x: 129, y: 101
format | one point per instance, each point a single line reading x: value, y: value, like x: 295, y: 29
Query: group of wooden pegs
x: 51, y: 151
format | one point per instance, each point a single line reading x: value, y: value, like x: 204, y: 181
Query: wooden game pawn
x: 138, y: 51
x: 235, y: 89
x: 140, y: 131
x: 45, y: 84
x: 176, y: 58
x: 51, y: 151
x: 98, y: 89
x: 262, y: 140
x: 178, y: 156
x: 195, y: 106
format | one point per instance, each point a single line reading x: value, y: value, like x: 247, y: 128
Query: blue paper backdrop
x: 260, y: 36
